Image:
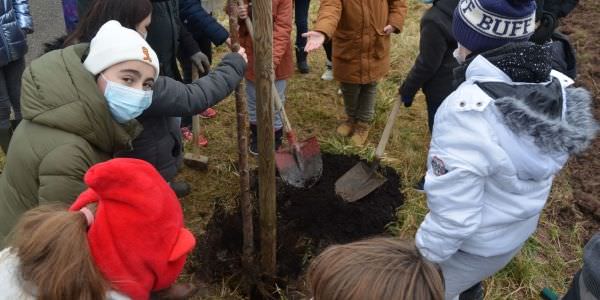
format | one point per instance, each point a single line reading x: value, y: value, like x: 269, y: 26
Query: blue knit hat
x: 481, y: 25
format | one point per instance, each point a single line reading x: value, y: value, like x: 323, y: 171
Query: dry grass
x: 549, y: 259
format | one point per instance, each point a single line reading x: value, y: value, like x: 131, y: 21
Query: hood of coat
x: 58, y: 92
x: 538, y: 115
x: 549, y: 119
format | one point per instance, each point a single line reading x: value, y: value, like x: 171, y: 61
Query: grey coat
x: 15, y: 22
x: 160, y: 142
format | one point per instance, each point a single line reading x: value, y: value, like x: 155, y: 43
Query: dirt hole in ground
x: 307, y: 220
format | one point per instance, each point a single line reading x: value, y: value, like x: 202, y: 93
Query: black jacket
x: 160, y: 141
x: 200, y: 23
x: 167, y: 36
x: 559, y: 8
x: 433, y: 67
x: 563, y: 55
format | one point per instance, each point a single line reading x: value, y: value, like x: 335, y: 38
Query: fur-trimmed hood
x: 571, y: 132
x: 538, y: 124
x: 558, y: 119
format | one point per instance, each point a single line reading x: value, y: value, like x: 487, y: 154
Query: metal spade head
x: 360, y: 181
x: 300, y: 165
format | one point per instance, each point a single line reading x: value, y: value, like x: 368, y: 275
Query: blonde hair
x: 374, y: 269
x: 55, y: 259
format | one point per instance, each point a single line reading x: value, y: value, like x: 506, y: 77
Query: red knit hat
x: 137, y: 239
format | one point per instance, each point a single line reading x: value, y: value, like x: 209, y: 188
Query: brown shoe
x: 345, y: 129
x: 361, y: 133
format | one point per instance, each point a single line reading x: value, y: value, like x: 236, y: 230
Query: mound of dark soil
x: 308, y: 221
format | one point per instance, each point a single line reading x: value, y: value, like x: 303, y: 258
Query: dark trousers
x: 328, y: 46
x: 10, y: 91
x: 433, y: 103
x: 301, y: 16
x: 435, y: 93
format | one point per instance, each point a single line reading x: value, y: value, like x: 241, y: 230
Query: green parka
x: 66, y: 129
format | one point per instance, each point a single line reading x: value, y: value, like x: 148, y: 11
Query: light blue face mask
x: 426, y: 1
x: 125, y: 103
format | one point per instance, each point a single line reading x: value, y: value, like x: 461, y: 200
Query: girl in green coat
x: 79, y: 107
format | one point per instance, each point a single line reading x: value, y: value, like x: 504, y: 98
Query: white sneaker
x: 327, y: 75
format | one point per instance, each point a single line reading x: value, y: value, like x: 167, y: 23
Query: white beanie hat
x: 115, y: 44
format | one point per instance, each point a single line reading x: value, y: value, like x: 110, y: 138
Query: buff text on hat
x: 482, y: 25
x: 115, y: 44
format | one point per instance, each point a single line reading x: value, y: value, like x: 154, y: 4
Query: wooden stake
x: 263, y: 66
x: 242, y: 120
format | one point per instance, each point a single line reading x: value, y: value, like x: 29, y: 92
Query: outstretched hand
x: 389, y: 29
x: 314, y: 40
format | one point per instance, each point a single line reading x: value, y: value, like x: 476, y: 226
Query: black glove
x: 407, y: 100
x: 200, y: 60
x: 543, y: 33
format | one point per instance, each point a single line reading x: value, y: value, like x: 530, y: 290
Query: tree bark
x: 263, y: 65
x: 242, y: 121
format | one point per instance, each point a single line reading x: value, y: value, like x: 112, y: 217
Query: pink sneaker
x: 202, y: 141
x: 209, y: 113
x: 186, y: 134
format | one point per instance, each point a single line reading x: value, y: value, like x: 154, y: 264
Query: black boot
x: 278, y: 138
x: 420, y: 186
x: 253, y: 147
x: 301, y: 61
x: 473, y: 293
x: 181, y: 188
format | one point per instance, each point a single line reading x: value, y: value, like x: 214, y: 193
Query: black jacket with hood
x: 433, y: 67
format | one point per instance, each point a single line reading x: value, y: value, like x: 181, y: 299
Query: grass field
x: 549, y: 258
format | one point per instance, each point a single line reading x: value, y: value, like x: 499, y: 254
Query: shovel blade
x: 357, y: 183
x: 300, y: 166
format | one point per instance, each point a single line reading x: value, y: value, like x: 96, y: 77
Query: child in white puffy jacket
x: 497, y: 143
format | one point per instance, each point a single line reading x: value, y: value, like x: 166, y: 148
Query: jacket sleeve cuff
x: 325, y: 30
x: 236, y: 61
x: 431, y: 248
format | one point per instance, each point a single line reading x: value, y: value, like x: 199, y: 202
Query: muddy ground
x: 308, y: 221
x: 583, y: 27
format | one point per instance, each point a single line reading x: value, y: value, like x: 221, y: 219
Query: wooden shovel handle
x: 287, y: 126
x: 389, y: 125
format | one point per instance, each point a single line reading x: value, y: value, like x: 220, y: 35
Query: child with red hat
x: 134, y: 244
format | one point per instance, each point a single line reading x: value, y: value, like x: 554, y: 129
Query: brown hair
x: 55, y: 259
x: 129, y: 13
x: 378, y: 268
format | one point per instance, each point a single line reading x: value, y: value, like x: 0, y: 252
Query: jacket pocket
x: 381, y: 47
x: 346, y: 46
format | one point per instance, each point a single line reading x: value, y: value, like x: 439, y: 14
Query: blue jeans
x: 251, y: 100
x: 301, y: 16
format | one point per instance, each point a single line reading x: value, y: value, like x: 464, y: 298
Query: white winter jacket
x: 492, y: 160
x: 11, y: 287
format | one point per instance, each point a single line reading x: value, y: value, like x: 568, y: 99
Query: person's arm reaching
x: 200, y: 22
x: 176, y: 99
x: 432, y: 49
x: 330, y: 13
